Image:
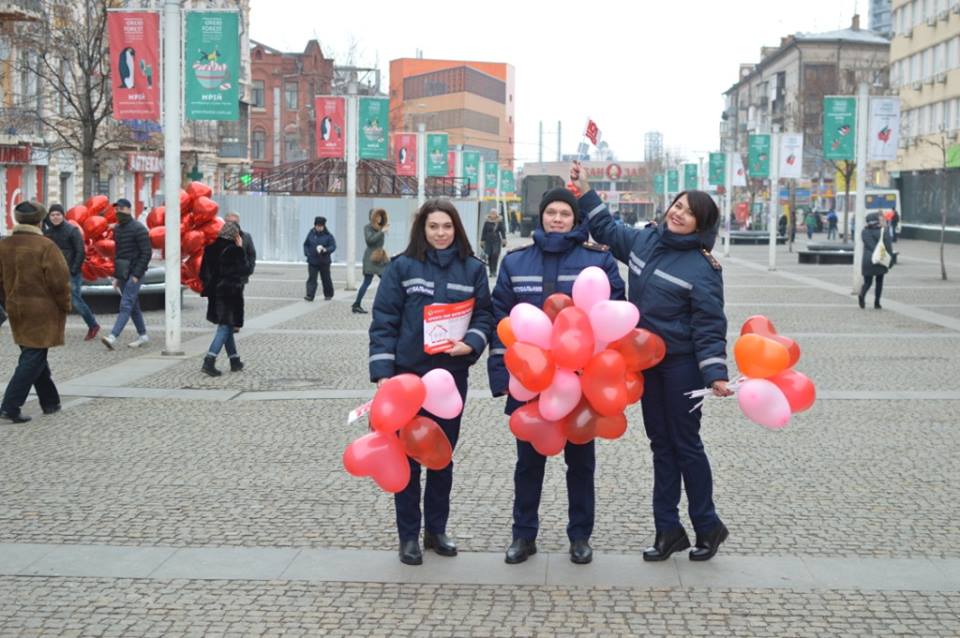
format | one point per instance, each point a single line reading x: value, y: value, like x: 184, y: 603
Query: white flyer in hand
x: 444, y: 324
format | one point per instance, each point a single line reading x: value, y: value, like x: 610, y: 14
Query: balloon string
x: 708, y: 392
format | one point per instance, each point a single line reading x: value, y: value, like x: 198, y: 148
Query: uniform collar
x: 560, y: 242
x: 693, y: 241
x: 444, y: 257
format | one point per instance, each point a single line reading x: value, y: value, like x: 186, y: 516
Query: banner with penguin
x: 211, y: 63
x: 134, y: 38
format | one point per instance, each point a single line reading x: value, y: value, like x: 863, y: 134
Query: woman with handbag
x: 437, y: 272
x: 375, y: 258
x: 877, y: 251
x: 222, y: 272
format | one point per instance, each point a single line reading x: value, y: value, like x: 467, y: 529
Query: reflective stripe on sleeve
x: 712, y: 361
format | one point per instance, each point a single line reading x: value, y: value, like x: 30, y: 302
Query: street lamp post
x: 171, y: 169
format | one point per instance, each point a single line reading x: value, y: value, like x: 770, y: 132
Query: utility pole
x: 171, y: 178
x: 727, y: 201
x: 774, y: 198
x: 559, y: 140
x: 540, y: 145
x: 860, y: 212
x: 352, y: 131
x: 421, y: 164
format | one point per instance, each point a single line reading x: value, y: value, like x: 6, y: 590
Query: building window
x: 291, y: 96
x: 258, y: 144
x: 952, y: 61
x: 938, y: 124
x: 257, y: 94
x: 291, y: 147
x: 939, y: 57
x: 927, y: 63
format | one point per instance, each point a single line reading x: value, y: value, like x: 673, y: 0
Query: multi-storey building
x: 652, y: 146
x: 881, y: 17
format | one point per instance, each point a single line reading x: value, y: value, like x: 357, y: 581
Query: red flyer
x: 444, y: 324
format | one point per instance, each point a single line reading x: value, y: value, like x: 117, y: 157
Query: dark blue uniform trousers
x: 528, y: 483
x: 678, y: 452
x: 436, y: 497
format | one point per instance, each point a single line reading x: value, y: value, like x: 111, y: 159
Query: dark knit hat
x: 55, y: 208
x: 29, y: 213
x: 559, y: 195
x: 125, y: 203
x: 319, y: 221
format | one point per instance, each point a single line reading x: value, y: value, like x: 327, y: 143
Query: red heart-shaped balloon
x: 192, y: 242
x: 760, y: 325
x: 204, y: 209
x: 641, y: 349
x: 546, y: 437
x: 571, y: 343
x: 106, y: 248
x: 585, y: 420
x: 197, y: 190
x: 211, y: 229
x: 425, y: 442
x: 78, y: 214
x: 97, y: 204
x: 797, y: 387
x: 533, y: 366
x: 555, y: 303
x: 186, y: 202
x: 94, y: 227
x: 604, y: 384
x: 158, y: 237
x: 634, y: 383
x: 379, y: 456
x: 396, y: 402
x: 156, y: 217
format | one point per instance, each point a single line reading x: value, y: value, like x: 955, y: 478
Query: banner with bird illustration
x: 134, y: 38
x: 211, y: 60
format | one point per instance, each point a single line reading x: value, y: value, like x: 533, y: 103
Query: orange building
x: 472, y: 101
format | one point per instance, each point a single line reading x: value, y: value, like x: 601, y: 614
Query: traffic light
x: 246, y: 178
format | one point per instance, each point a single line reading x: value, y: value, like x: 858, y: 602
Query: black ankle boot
x: 410, y: 553
x: 667, y: 543
x: 708, y: 544
x: 876, y: 305
x: 236, y: 365
x: 861, y: 301
x: 520, y: 550
x: 358, y: 310
x: 209, y: 366
x: 440, y: 543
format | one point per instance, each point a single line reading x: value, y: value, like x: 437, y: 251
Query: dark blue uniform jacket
x: 675, y: 283
x: 531, y: 274
x: 314, y: 239
x: 408, y: 285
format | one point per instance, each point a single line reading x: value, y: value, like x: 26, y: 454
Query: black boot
x: 410, y: 553
x: 667, y: 543
x: 520, y: 550
x: 236, y: 365
x: 708, y: 544
x: 876, y: 304
x: 358, y: 310
x: 209, y: 366
x: 440, y: 543
x: 861, y: 301
x: 580, y: 551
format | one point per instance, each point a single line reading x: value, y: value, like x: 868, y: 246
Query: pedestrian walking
x: 70, y: 242
x: 493, y: 237
x: 832, y: 221
x: 894, y: 224
x: 223, y: 272
x: 131, y: 260
x: 677, y: 285
x: 249, y: 249
x: 375, y: 258
x: 559, y: 252
x: 810, y: 220
x: 35, y: 290
x: 436, y: 268
x: 871, y: 236
x: 318, y: 248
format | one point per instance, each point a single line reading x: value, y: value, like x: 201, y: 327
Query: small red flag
x: 592, y: 132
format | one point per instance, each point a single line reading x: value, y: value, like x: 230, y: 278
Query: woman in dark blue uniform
x: 531, y: 274
x: 437, y: 267
x: 678, y: 287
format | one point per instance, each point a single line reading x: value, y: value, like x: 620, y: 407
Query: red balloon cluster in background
x: 773, y: 389
x: 577, y: 385
x: 398, y: 431
x: 199, y: 227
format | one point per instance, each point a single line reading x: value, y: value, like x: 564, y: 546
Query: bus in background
x: 878, y: 200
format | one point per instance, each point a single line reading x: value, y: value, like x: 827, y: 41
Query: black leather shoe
x: 410, y: 553
x: 308, y: 298
x: 51, y: 409
x: 520, y: 550
x: 667, y: 543
x: 14, y: 418
x: 580, y: 551
x: 358, y: 309
x: 861, y: 301
x: 877, y: 306
x: 708, y: 544
x: 440, y: 543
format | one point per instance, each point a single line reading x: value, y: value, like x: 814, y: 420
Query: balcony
x: 21, y: 10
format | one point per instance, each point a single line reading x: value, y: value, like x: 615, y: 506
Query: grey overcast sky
x: 632, y: 66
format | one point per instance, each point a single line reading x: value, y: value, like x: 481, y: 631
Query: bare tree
x: 942, y: 144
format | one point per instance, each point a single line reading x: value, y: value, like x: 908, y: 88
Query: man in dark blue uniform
x: 531, y: 274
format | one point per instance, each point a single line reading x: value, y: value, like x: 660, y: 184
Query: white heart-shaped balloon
x: 611, y: 320
x: 443, y: 398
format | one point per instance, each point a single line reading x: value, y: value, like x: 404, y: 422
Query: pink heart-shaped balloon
x: 381, y: 457
x: 590, y: 287
x: 531, y: 325
x: 764, y: 403
x: 612, y: 320
x: 561, y: 397
x: 443, y: 398
x: 518, y: 392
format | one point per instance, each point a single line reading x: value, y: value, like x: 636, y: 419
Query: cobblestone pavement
x: 854, y: 476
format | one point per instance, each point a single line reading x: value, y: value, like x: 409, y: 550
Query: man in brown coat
x: 35, y: 290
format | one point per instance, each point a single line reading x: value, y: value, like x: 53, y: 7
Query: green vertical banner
x: 471, y: 168
x: 437, y: 155
x: 690, y: 181
x: 658, y: 183
x: 673, y: 181
x: 372, y: 140
x: 717, y: 174
x: 839, y: 128
x: 758, y: 156
x: 211, y: 57
x: 508, y: 183
x: 490, y: 174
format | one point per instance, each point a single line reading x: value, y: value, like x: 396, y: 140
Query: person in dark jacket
x: 677, y: 285
x: 871, y: 236
x: 437, y: 268
x: 493, y: 236
x: 375, y: 258
x: 222, y: 272
x: 248, y: 248
x: 132, y: 258
x: 560, y: 251
x: 318, y: 247
x: 70, y: 242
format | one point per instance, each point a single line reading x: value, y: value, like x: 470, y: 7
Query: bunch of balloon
x: 772, y: 390
x: 577, y: 363
x: 93, y: 219
x: 398, y: 431
x: 199, y: 227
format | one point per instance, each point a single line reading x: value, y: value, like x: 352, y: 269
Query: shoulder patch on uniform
x: 513, y: 250
x: 711, y: 259
x: 478, y: 259
x: 591, y: 245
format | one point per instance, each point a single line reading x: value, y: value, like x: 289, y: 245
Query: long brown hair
x: 418, y: 246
